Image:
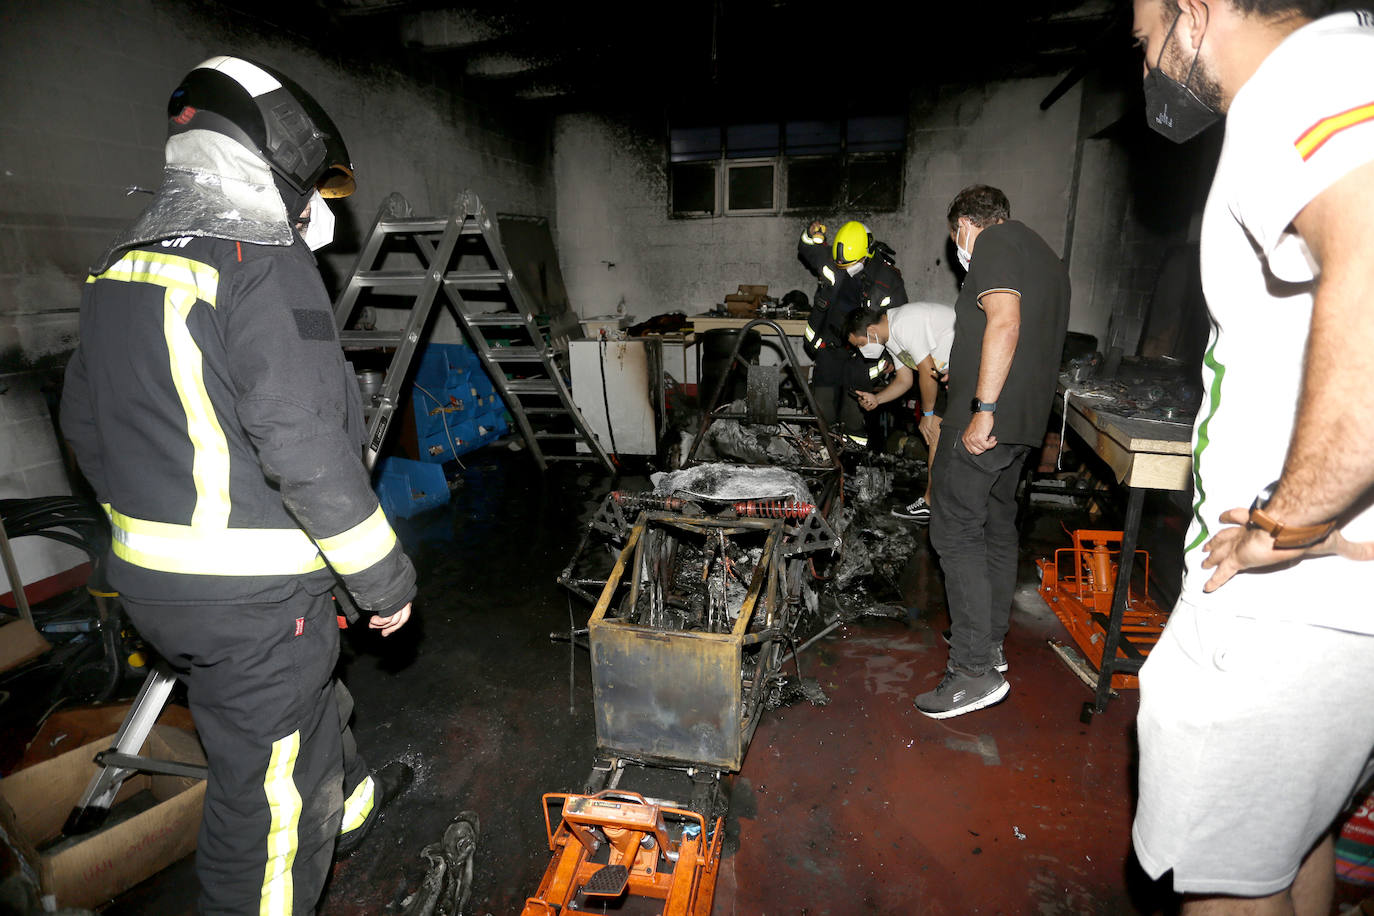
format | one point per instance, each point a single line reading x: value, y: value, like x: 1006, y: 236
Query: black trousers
x: 837, y: 373
x: 973, y: 528
x: 260, y: 684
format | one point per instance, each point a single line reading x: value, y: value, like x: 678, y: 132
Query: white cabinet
x: 624, y: 412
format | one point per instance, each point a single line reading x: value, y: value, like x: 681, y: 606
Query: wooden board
x: 792, y: 327
x: 1152, y: 454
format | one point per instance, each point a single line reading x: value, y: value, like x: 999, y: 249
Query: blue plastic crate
x: 442, y: 444
x: 406, y: 487
x: 443, y: 367
x: 453, y: 397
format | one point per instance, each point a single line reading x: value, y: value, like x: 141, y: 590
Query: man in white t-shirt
x: 1256, y: 719
x: 919, y: 336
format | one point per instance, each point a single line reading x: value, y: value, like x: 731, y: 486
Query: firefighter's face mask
x: 318, y: 228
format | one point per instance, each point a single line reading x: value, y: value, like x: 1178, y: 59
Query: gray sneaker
x: 960, y: 692
x: 997, y: 654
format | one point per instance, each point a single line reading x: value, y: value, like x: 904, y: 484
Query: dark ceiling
x: 785, y: 56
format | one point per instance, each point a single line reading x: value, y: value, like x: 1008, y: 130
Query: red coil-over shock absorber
x: 648, y: 501
x: 774, y: 508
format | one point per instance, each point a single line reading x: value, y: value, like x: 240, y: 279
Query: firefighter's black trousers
x: 260, y: 684
x: 834, y: 378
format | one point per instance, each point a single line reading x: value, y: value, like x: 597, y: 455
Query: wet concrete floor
x: 859, y: 806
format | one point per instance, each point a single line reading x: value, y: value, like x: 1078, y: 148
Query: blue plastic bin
x: 406, y: 487
x: 457, y: 398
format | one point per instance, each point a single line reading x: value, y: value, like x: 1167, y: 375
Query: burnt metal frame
x: 697, y: 666
x: 712, y: 409
x: 613, y: 520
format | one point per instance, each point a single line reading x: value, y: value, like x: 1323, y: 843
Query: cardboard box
x: 20, y: 643
x: 35, y: 802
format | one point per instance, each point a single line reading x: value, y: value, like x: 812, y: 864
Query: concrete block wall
x: 618, y: 244
x: 83, y: 89
x: 1138, y: 196
x: 1103, y: 278
x: 31, y: 465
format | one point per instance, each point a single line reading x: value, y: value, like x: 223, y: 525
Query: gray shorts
x: 1253, y: 736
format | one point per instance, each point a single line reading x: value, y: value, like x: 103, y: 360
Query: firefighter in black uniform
x: 852, y: 272
x: 211, y: 408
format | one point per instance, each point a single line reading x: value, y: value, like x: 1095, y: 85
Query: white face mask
x: 320, y: 230
x: 853, y: 269
x: 965, y: 256
x: 872, y: 350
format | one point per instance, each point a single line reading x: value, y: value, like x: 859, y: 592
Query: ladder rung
x: 507, y: 319
x: 548, y: 411
x: 530, y: 386
x: 408, y: 279
x: 389, y: 279
x: 516, y: 354
x: 543, y: 435
x: 474, y: 277
x: 413, y: 225
x: 358, y: 338
x: 587, y: 457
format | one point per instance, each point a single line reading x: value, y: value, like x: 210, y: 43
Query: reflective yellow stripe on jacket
x: 193, y: 550
x: 360, y: 546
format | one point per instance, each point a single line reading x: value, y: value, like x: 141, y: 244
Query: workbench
x: 1144, y: 454
x: 792, y: 327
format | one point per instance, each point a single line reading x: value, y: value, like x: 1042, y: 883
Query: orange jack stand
x: 1078, y: 585
x: 614, y: 845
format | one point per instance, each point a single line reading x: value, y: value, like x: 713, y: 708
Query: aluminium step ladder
x: 405, y: 263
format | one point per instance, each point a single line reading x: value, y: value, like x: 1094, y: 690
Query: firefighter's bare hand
x: 867, y: 399
x: 389, y: 625
x: 1237, y: 548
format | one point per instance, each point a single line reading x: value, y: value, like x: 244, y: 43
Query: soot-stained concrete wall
x: 83, y: 88
x: 618, y: 244
x: 83, y: 92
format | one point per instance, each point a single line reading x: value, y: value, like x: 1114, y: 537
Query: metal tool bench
x: 1143, y: 455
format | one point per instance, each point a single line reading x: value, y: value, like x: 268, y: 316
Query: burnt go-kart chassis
x: 716, y: 576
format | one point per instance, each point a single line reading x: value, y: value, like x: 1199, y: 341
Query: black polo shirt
x: 1010, y: 257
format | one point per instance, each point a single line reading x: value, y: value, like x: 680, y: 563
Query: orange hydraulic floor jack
x: 1078, y: 585
x: 615, y: 848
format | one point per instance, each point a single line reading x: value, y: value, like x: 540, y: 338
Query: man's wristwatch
x: 983, y: 406
x: 1286, y: 537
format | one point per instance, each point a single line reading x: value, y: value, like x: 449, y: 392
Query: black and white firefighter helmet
x: 265, y: 111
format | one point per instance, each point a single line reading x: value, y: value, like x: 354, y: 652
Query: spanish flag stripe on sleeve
x: 1315, y: 136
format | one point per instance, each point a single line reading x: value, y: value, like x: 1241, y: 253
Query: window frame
x: 723, y: 196
x: 780, y: 162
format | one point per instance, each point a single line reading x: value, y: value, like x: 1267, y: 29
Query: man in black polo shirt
x: 1009, y: 328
